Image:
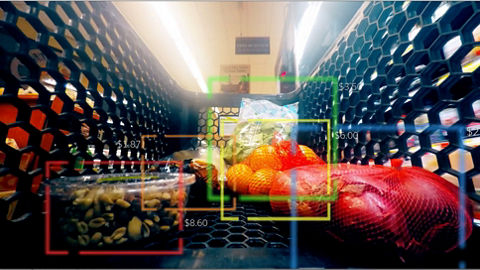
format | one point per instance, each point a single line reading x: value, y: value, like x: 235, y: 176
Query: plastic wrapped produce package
x: 250, y: 134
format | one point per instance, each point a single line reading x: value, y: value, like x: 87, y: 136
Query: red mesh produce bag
x: 431, y: 207
x: 411, y: 208
x: 291, y: 155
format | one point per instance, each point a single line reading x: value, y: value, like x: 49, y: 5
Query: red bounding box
x: 49, y: 251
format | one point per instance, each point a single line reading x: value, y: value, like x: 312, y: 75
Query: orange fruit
x: 264, y: 156
x: 246, y: 161
x: 238, y: 178
x: 310, y: 156
x: 261, y: 181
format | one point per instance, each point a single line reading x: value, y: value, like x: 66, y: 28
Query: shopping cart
x: 411, y: 66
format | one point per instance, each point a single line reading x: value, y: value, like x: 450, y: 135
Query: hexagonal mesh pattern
x: 234, y: 234
x: 75, y: 85
x: 409, y: 79
x: 217, y: 113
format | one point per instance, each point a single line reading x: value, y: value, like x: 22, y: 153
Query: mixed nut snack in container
x: 105, y: 211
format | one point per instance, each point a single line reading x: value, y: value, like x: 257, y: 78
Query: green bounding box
x: 331, y: 125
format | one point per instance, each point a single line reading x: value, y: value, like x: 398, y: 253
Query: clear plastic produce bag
x: 250, y: 134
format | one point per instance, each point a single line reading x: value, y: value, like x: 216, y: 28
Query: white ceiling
x: 209, y: 30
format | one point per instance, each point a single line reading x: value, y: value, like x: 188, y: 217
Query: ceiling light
x: 170, y: 25
x: 304, y: 28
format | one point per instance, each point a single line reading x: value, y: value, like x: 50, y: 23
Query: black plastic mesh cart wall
x: 76, y: 84
x: 406, y: 75
x: 94, y: 89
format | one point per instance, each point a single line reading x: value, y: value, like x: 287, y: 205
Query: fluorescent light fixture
x: 170, y: 25
x: 304, y: 28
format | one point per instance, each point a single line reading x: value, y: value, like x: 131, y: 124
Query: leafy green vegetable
x: 250, y: 135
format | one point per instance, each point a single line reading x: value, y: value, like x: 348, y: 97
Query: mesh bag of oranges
x: 256, y: 173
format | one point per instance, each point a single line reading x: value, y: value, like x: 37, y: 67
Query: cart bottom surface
x: 23, y: 247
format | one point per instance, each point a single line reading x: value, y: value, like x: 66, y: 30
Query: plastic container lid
x: 131, y: 182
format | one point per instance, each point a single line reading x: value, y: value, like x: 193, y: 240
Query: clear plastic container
x: 105, y: 211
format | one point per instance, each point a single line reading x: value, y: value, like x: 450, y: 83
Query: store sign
x: 252, y: 45
x: 237, y: 78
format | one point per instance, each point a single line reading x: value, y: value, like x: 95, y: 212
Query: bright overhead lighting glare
x: 304, y: 28
x: 171, y: 26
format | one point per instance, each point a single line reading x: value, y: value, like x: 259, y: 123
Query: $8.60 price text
x: 190, y: 222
